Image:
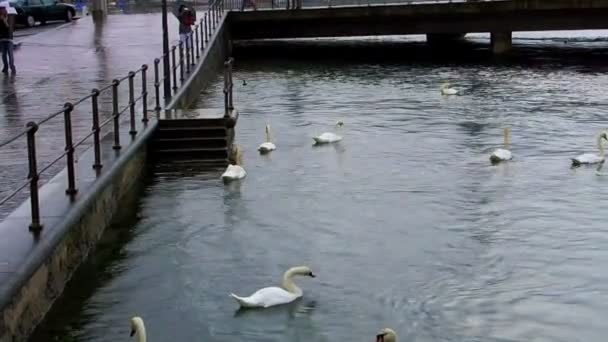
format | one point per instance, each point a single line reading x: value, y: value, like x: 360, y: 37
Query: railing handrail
x: 199, y: 37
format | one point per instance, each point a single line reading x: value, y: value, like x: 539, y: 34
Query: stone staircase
x: 195, y: 137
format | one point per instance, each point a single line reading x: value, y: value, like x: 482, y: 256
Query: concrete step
x: 185, y: 143
x: 193, y: 153
x: 191, y: 132
x: 215, y: 122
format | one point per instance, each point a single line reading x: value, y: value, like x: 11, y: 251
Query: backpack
x: 188, y: 17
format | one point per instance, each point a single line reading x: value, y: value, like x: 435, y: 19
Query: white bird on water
x: 271, y: 296
x: 268, y: 145
x: 446, y: 89
x: 329, y: 137
x: 386, y: 335
x: 592, y: 158
x: 502, y: 154
x: 235, y: 171
x: 138, y: 329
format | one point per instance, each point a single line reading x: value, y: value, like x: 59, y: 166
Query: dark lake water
x: 405, y: 222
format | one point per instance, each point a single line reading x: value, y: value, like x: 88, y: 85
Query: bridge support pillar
x: 501, y: 42
x: 99, y: 9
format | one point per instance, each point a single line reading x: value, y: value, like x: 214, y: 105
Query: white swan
x: 267, y: 146
x: 591, y: 158
x: 446, y: 89
x: 270, y: 296
x: 235, y: 171
x: 502, y: 154
x: 138, y: 327
x: 328, y: 137
x: 386, y: 335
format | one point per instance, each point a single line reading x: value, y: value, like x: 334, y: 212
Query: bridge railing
x: 303, y: 4
x: 190, y: 51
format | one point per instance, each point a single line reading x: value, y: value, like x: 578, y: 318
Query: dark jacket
x: 5, y: 31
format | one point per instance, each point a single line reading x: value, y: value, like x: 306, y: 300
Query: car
x: 31, y: 11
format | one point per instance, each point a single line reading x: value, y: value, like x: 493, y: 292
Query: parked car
x: 31, y: 11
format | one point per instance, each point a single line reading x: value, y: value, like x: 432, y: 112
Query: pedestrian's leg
x: 11, y: 57
x: 4, y: 49
x: 243, y: 5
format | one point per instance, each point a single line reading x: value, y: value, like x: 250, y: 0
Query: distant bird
x: 268, y: 145
x: 329, y: 137
x: 502, y: 154
x: 244, y: 82
x: 446, y: 89
x: 591, y: 158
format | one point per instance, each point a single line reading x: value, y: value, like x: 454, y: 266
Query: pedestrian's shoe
x: 13, y: 70
x: 5, y: 70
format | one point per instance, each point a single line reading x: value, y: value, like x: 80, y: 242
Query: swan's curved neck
x: 600, y: 145
x: 141, y: 332
x: 506, y: 138
x: 288, y: 283
x: 267, y: 134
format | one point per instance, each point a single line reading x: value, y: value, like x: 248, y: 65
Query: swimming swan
x: 591, y: 158
x: 327, y: 137
x: 270, y: 296
x: 138, y: 327
x: 236, y: 171
x: 446, y: 89
x: 267, y: 146
x: 386, y: 335
x: 501, y: 154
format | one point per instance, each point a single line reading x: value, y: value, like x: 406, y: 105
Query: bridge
x: 46, y: 237
x: 438, y: 20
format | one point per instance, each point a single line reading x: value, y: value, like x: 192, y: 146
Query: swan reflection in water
x: 297, y: 307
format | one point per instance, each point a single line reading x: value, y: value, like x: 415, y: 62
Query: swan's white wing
x: 588, y: 158
x: 270, y: 296
x: 267, y: 147
x: 327, y: 138
x: 501, y: 154
x: 234, y: 172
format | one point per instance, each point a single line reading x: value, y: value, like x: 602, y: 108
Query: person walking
x: 186, y: 18
x: 6, y: 42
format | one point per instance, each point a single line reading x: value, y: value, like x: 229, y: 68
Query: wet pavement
x: 62, y: 64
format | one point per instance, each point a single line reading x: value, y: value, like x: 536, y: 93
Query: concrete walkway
x: 63, y: 64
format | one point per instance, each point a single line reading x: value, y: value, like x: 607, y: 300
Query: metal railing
x: 190, y: 51
x: 310, y: 4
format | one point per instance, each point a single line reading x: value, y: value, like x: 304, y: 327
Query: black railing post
x: 157, y: 85
x: 192, y: 48
x: 174, y: 68
x: 96, y: 139
x: 196, y: 29
x: 202, y: 34
x: 33, y: 176
x: 206, y: 27
x: 132, y: 131
x: 69, y: 148
x: 181, y: 63
x: 115, y: 114
x: 187, y: 43
x: 144, y: 93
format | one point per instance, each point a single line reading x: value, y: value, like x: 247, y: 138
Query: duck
x: 267, y: 146
x: 329, y: 137
x: 274, y: 295
x: 138, y: 329
x: 386, y: 335
x: 446, y: 89
x: 502, y: 154
x: 591, y: 158
x: 235, y: 171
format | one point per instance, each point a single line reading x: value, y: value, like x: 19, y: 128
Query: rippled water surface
x: 405, y: 222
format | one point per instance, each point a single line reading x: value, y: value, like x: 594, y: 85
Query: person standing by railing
x: 186, y: 18
x: 6, y: 42
x: 252, y: 2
